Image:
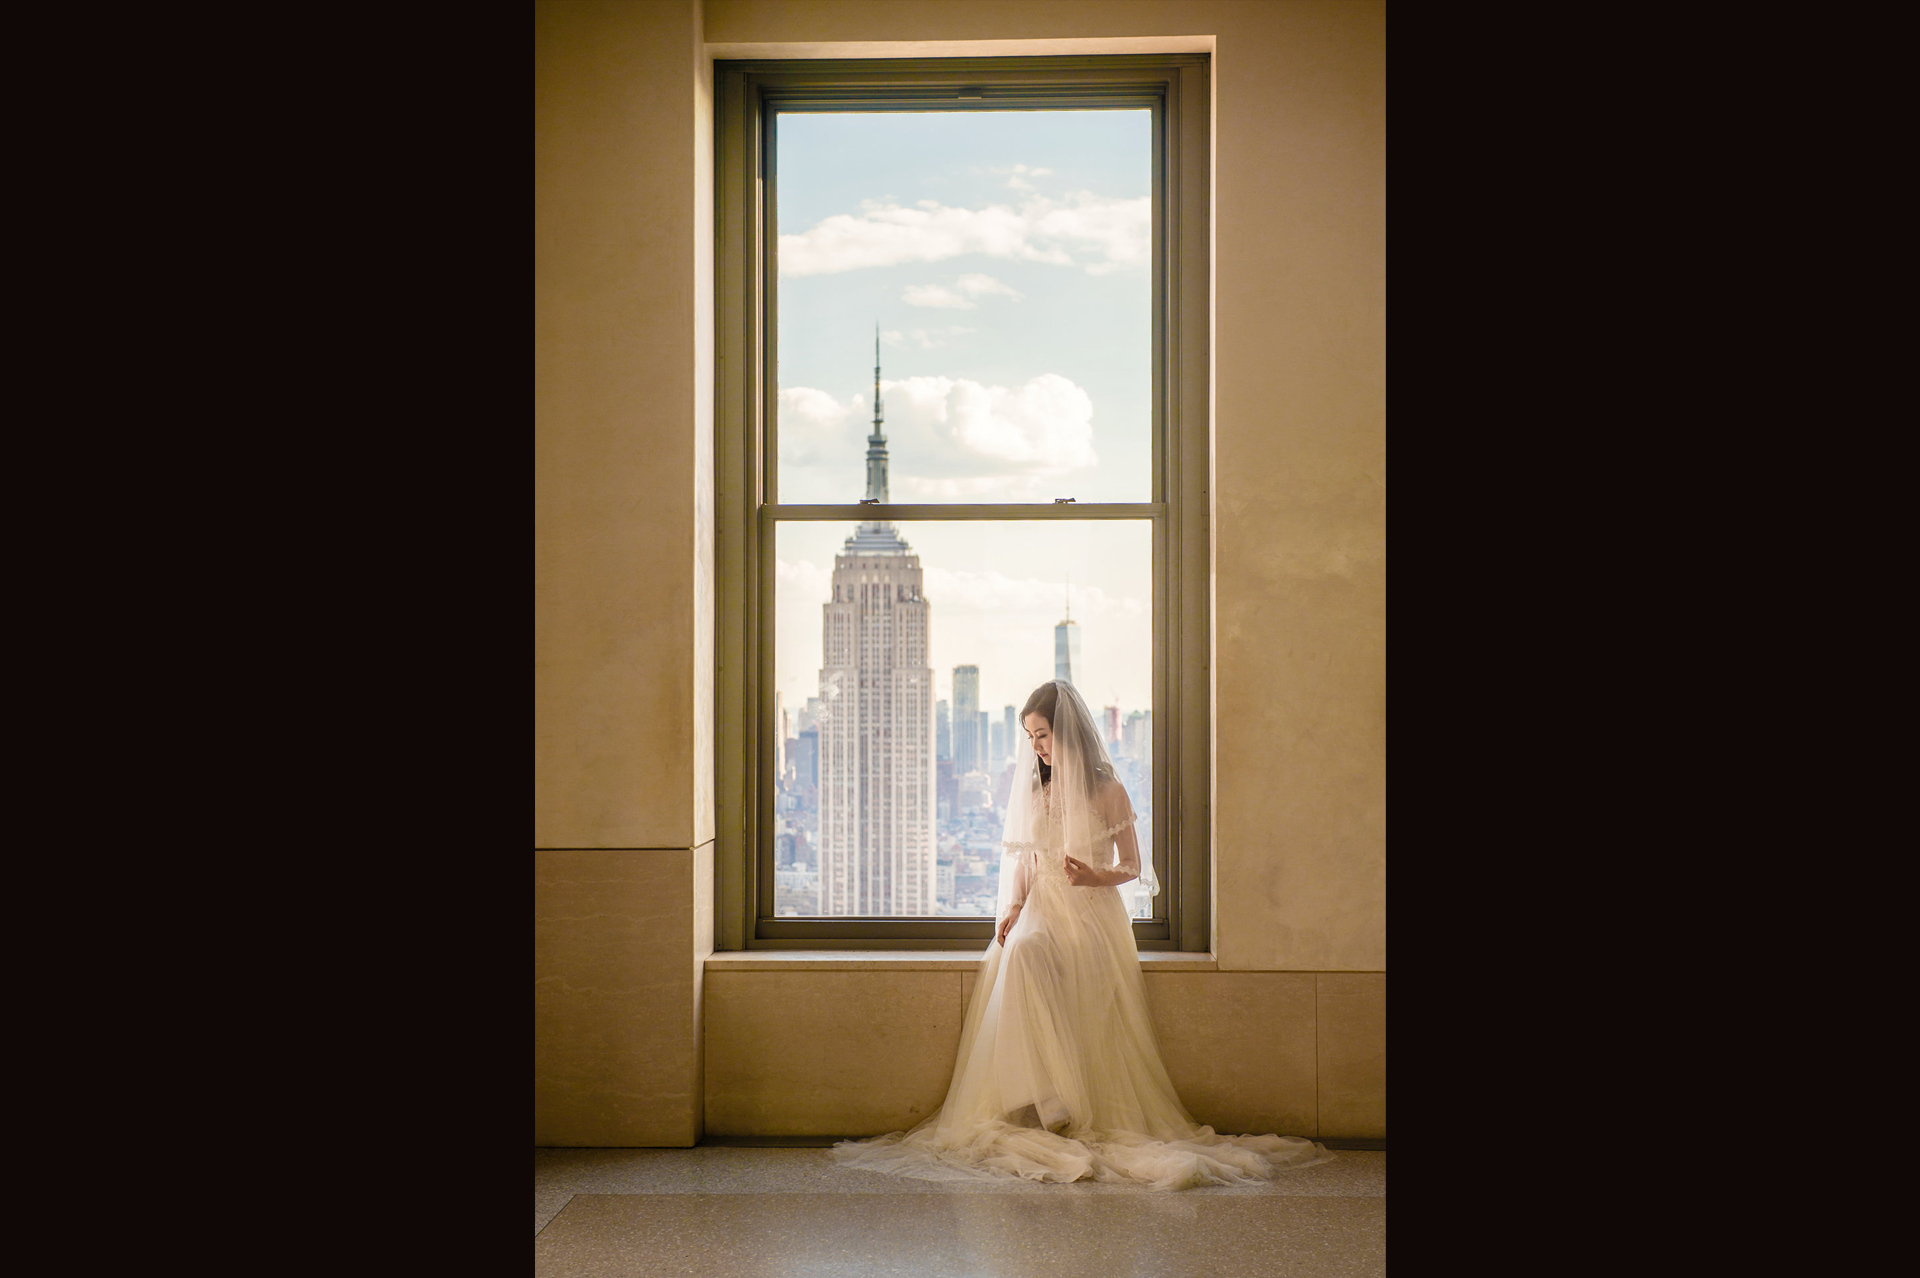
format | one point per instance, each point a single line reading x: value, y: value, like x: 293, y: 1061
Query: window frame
x: 749, y: 95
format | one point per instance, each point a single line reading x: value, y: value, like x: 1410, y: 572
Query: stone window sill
x: 909, y: 961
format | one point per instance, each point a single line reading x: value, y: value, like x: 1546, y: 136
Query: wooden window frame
x: 749, y: 97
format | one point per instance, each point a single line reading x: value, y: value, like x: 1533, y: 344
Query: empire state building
x: 876, y: 717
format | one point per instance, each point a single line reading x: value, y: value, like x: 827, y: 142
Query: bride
x: 1059, y: 1077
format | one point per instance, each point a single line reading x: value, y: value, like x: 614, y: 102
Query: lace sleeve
x: 1120, y: 836
x: 1019, y: 868
x: 1115, y: 809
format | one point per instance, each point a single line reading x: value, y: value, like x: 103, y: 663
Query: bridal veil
x: 1059, y: 1076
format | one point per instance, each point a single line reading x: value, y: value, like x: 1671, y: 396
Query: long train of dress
x: 1059, y: 1075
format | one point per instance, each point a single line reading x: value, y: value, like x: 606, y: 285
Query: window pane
x: 1003, y: 257
x: 903, y: 653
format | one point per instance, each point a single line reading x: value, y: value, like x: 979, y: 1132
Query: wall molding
x: 1067, y: 47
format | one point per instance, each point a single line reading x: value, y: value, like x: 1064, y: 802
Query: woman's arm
x: 1127, y: 868
x: 1018, y: 899
x: 1114, y: 809
x: 1127, y: 862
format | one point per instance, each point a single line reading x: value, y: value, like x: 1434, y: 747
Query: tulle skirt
x: 1059, y: 1076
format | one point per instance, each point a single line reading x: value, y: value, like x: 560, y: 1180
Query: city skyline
x: 995, y: 613
x: 890, y: 801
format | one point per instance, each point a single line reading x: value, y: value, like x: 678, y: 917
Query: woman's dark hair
x: 1043, y: 702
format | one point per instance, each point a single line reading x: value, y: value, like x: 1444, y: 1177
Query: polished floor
x: 749, y: 1213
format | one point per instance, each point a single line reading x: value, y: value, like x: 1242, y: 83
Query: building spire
x: 877, y: 536
x: 877, y: 441
x: 1069, y: 596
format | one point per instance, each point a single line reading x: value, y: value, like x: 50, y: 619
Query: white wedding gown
x: 1058, y: 1037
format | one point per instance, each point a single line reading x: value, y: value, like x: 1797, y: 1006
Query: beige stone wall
x: 619, y: 942
x: 623, y: 684
x: 849, y: 1053
x: 622, y: 172
x: 1291, y: 1028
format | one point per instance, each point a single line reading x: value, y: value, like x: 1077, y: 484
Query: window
x: 1022, y: 244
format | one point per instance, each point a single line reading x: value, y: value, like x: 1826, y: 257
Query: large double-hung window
x: 962, y: 420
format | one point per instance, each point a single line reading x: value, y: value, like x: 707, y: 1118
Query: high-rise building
x: 967, y: 754
x: 806, y: 760
x: 946, y: 783
x: 1113, y: 728
x: 942, y: 732
x: 1014, y: 732
x: 976, y: 792
x: 1003, y: 788
x: 996, y: 748
x: 1066, y: 646
x: 876, y: 717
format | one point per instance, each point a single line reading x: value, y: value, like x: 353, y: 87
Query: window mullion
x: 983, y: 511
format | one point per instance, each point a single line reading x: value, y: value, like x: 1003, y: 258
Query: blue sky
x: 1004, y: 256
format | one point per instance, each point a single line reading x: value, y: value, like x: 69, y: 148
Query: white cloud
x: 807, y: 580
x: 936, y: 295
x: 963, y: 293
x: 1018, y: 183
x: 1098, y: 233
x: 963, y: 488
x: 925, y: 339
x: 814, y: 426
x: 958, y: 435
x: 950, y: 438
x: 976, y: 285
x: 1119, y: 230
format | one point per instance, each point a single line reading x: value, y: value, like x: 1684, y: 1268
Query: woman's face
x: 1040, y: 732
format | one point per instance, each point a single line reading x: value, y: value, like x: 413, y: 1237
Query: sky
x: 1004, y: 258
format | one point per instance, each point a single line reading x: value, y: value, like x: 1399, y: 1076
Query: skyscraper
x: 968, y: 754
x: 876, y: 717
x: 942, y: 732
x: 1066, y: 645
x: 806, y: 761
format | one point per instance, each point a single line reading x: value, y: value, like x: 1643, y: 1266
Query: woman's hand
x: 1006, y: 923
x: 1080, y: 874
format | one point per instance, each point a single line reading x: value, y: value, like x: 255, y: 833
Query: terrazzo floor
x: 761, y: 1213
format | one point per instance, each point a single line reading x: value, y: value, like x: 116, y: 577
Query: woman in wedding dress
x: 1059, y: 1076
